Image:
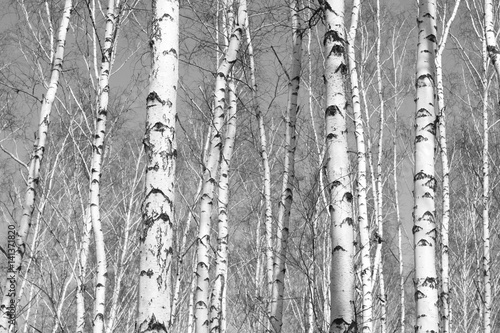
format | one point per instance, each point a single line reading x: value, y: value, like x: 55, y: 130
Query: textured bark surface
x: 156, y: 248
x: 15, y: 256
x: 445, y: 218
x: 96, y: 166
x: 286, y: 200
x: 342, y: 317
x: 363, y: 222
x: 201, y: 313
x: 424, y: 215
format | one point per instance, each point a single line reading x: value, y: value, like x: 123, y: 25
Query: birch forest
x: 230, y: 166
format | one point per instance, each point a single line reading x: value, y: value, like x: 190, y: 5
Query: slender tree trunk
x: 493, y: 52
x: 338, y: 171
x: 218, y: 300
x: 486, y: 259
x: 445, y: 218
x: 286, y: 200
x: 82, y: 267
x: 156, y: 241
x: 266, y: 175
x: 424, y: 229
x: 202, y: 321
x: 379, y: 260
x: 96, y: 165
x: 19, y: 238
x: 364, y: 227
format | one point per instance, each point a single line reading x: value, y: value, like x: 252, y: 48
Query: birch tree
x: 156, y: 241
x: 19, y: 238
x: 443, y: 143
x: 338, y: 172
x: 363, y: 222
x: 285, y: 204
x: 201, y: 314
x: 96, y: 165
x: 424, y: 229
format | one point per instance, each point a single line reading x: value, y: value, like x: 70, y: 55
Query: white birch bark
x: 156, y: 241
x: 96, y: 165
x: 379, y: 260
x: 218, y: 300
x: 490, y: 34
x: 285, y: 205
x: 424, y: 229
x: 82, y: 267
x: 201, y: 314
x: 493, y: 53
x: 342, y: 317
x: 363, y: 222
x: 266, y: 175
x: 486, y: 259
x: 16, y: 255
x: 445, y: 218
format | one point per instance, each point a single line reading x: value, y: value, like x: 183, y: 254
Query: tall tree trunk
x: 424, y: 229
x: 486, y: 259
x: 445, y: 218
x: 156, y: 241
x: 83, y: 254
x: 202, y: 320
x: 266, y: 174
x: 218, y: 298
x: 96, y: 165
x: 493, y: 52
x: 18, y: 239
x: 286, y: 200
x: 364, y: 227
x: 379, y: 260
x: 337, y: 167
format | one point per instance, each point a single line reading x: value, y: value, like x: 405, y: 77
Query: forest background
x: 52, y: 265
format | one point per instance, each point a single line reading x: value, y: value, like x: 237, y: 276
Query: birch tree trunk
x: 286, y: 200
x: 337, y: 167
x: 493, y: 52
x: 445, y: 218
x: 364, y: 227
x: 424, y: 229
x: 19, y: 238
x: 97, y: 154
x: 202, y: 320
x: 82, y: 267
x: 266, y: 175
x: 490, y: 34
x: 218, y: 298
x: 156, y: 241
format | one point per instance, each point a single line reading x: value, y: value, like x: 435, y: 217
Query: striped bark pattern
x: 156, y: 248
x: 13, y: 269
x: 424, y: 229
x: 342, y: 317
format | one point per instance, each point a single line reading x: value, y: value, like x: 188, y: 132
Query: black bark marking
x: 332, y: 110
x: 348, y: 196
x: 416, y: 228
x: 423, y: 113
x: 420, y: 138
x: 338, y: 248
x: 431, y: 38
